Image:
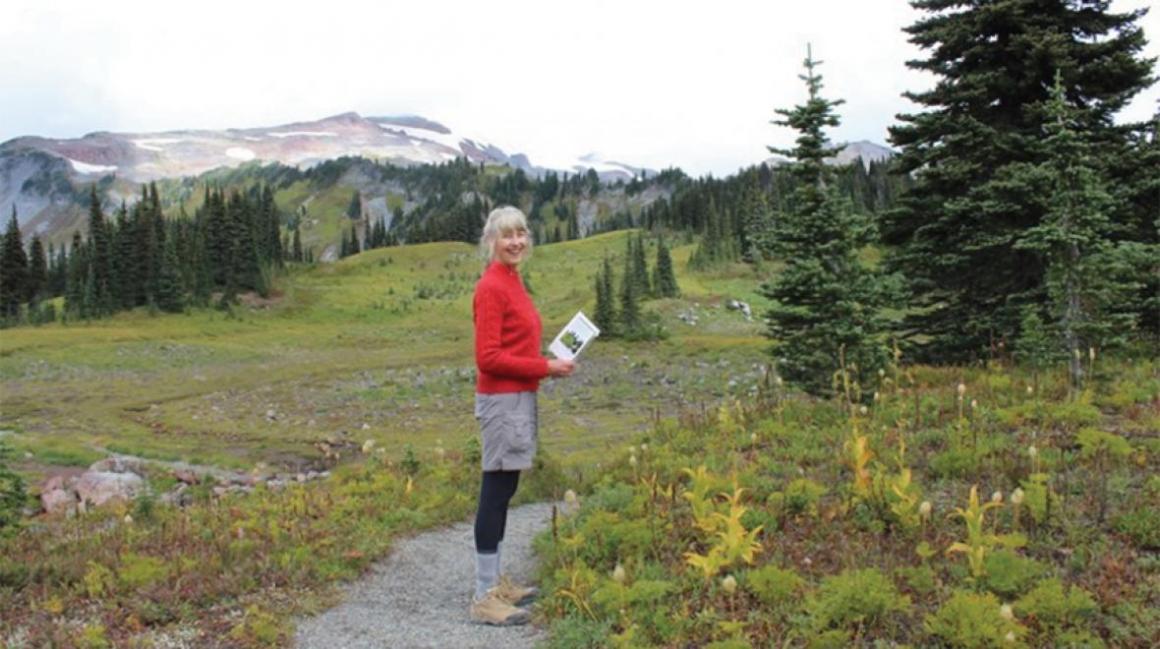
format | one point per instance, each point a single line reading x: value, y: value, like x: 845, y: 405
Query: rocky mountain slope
x: 46, y: 180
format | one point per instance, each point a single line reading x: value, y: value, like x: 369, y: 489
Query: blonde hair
x: 502, y: 219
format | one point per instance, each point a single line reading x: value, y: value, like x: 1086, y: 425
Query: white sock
x: 499, y: 559
x: 486, y: 573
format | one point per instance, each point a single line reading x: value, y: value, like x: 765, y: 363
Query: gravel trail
x: 417, y: 597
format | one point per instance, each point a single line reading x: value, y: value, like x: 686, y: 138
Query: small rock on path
x: 417, y: 597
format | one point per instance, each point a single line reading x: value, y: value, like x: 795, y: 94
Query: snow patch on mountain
x: 304, y: 134
x: 86, y: 168
x: 240, y: 153
x: 156, y: 143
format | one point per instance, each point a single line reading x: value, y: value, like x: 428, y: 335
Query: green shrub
x: 921, y: 579
x: 1009, y: 574
x: 1035, y: 494
x: 955, y: 463
x: 579, y: 633
x: 1054, y: 609
x: 855, y: 597
x: 801, y: 496
x: 974, y: 620
x: 772, y: 585
x: 139, y: 570
x: 1142, y: 526
x: 12, y: 493
x: 833, y: 639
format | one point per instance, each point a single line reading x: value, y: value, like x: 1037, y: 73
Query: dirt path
x: 418, y: 596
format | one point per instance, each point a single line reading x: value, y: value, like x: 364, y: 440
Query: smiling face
x: 511, y: 246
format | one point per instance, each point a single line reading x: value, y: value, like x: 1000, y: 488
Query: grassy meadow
x: 375, y: 347
x: 716, y: 508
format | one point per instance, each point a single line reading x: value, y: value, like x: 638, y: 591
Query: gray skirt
x: 508, y: 428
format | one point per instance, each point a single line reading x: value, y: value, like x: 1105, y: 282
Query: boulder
x: 99, y: 487
x: 187, y: 476
x: 58, y: 500
x: 118, y: 465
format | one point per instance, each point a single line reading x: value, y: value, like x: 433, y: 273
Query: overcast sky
x: 652, y: 83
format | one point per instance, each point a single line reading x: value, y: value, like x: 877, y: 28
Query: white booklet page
x: 574, y: 337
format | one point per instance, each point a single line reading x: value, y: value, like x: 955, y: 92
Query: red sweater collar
x: 503, y: 270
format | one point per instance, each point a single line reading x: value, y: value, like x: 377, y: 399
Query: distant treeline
x: 140, y: 258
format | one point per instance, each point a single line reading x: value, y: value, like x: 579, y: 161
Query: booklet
x: 574, y: 337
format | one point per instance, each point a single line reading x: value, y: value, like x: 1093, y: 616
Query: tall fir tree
x: 605, y: 314
x: 37, y: 270
x: 75, y: 277
x: 1073, y: 239
x: 170, y: 295
x: 664, y: 280
x: 354, y: 209
x: 825, y: 313
x: 100, y: 259
x: 629, y: 322
x: 953, y: 234
x: 296, y: 246
x: 644, y: 287
x: 13, y: 270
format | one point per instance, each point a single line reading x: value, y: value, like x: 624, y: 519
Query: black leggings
x: 495, y: 493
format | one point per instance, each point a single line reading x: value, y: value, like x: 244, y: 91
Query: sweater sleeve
x: 490, y: 355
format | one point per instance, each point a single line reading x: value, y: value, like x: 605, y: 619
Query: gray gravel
x: 418, y: 596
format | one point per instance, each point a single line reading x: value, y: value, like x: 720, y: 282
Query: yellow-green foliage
x: 979, y: 542
x: 1010, y: 575
x: 971, y: 620
x: 732, y: 543
x: 1054, y: 608
x: 1097, y: 445
x: 258, y: 628
x: 801, y: 496
x: 855, y: 598
x: 772, y: 585
x: 94, y: 636
x: 141, y: 571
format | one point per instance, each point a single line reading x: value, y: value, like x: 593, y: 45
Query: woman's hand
x: 560, y: 367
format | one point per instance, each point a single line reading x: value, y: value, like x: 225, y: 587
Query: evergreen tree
x: 605, y: 314
x: 296, y: 246
x: 125, y: 259
x: 630, y: 317
x: 1136, y: 185
x: 1073, y: 239
x: 705, y: 254
x: 664, y: 280
x: 354, y: 209
x: 37, y: 270
x: 170, y: 295
x: 824, y: 316
x: 640, y: 267
x: 13, y: 270
x: 953, y: 232
x: 757, y: 219
x: 271, y: 223
x: 100, y: 259
x: 1038, y: 347
x: 76, y: 276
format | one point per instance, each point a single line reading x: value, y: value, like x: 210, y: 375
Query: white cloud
x: 646, y: 82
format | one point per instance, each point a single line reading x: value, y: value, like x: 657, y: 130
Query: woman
x: 510, y: 366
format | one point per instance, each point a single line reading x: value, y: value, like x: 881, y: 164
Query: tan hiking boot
x: 515, y: 594
x: 495, y: 611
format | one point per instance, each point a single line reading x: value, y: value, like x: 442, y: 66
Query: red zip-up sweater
x: 507, y: 334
